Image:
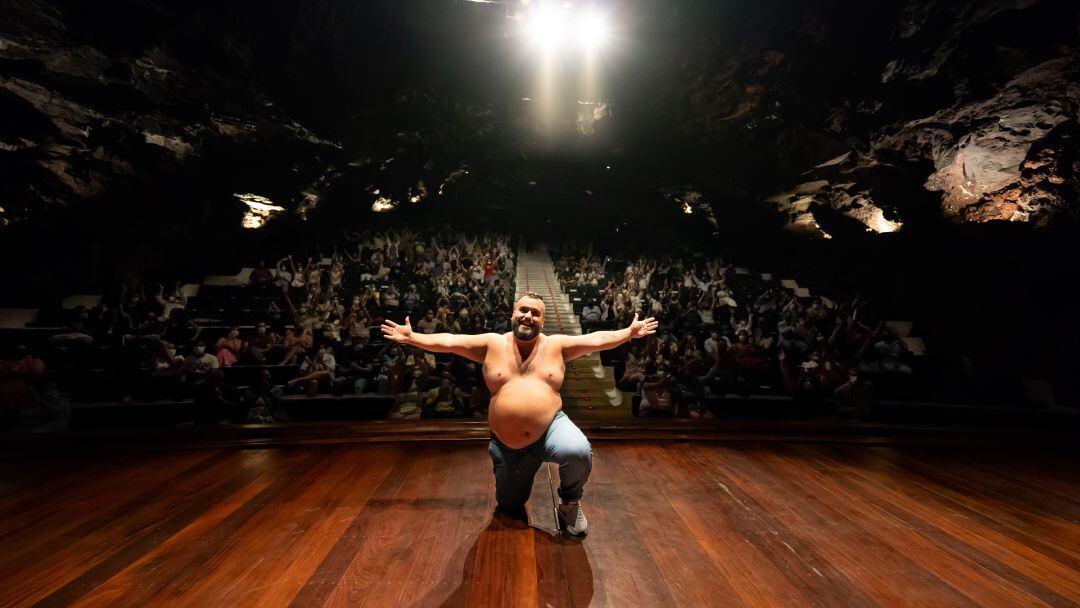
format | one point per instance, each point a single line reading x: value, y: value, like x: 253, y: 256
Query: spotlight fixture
x: 543, y: 26
x: 592, y: 30
x: 553, y: 26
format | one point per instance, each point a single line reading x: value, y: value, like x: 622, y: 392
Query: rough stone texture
x: 979, y: 148
x: 87, y: 118
x: 974, y: 102
x: 975, y: 91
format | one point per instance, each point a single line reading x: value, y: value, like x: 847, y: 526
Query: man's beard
x: 526, y: 332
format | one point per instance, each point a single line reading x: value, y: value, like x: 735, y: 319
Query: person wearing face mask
x: 228, y: 348
x: 199, y: 364
x: 316, y: 370
x: 167, y: 373
x: 256, y: 347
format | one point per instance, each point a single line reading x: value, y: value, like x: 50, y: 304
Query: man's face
x: 528, y: 319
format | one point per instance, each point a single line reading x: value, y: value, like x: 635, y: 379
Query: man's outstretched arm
x: 579, y: 346
x: 472, y: 347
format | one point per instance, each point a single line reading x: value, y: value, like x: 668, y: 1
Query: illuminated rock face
x: 974, y: 103
x: 109, y: 96
x: 1000, y: 158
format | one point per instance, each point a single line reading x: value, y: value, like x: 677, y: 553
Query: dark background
x: 736, y: 101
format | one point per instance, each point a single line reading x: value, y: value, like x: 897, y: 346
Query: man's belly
x: 521, y: 411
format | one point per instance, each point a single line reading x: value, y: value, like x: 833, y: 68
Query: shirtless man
x: 524, y: 369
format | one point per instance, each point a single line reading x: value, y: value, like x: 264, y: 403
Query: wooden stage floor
x: 671, y: 524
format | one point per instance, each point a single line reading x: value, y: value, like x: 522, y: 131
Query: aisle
x: 589, y: 388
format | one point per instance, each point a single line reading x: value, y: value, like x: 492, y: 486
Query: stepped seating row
x: 890, y: 412
x: 299, y: 408
x: 101, y: 385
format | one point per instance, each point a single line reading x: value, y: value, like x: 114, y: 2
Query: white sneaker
x: 572, y: 518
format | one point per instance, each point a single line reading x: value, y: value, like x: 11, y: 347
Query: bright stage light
x: 544, y: 26
x: 592, y: 30
x: 551, y: 25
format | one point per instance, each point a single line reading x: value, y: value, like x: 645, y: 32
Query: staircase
x: 589, y: 387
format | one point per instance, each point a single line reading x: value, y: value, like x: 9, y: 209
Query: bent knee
x: 578, y: 454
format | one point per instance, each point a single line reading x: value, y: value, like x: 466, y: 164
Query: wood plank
x: 616, y: 556
x: 867, y: 562
x: 225, y: 574
x: 802, y: 554
x: 72, y: 556
x: 175, y: 516
x: 962, y: 575
x: 365, y: 538
x: 1021, y: 566
x: 671, y: 523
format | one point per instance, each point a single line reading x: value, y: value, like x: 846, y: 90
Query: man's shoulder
x: 557, y: 339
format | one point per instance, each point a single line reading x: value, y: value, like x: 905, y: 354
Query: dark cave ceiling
x: 880, y: 114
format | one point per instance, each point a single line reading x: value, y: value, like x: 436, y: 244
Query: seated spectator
x: 745, y: 353
x: 411, y: 300
x: 294, y: 345
x: 359, y: 325
x: 856, y: 396
x: 691, y: 319
x: 445, y: 401
x: 257, y: 347
x: 228, y: 348
x: 658, y: 393
x: 591, y: 313
x: 25, y: 366
x: 391, y: 298
x: 335, y: 276
x: 391, y: 361
x: 174, y: 298
x: 179, y: 328
x: 77, y: 333
x: 166, y: 373
x: 264, y: 404
x: 476, y: 324
x: 712, y: 343
x: 408, y: 398
x: 286, y: 271
x: 428, y: 324
x: 217, y: 401
x: 316, y: 372
x: 501, y: 323
x: 260, y: 275
x: 313, y: 276
x: 355, y: 373
x: 49, y: 412
x: 635, y: 369
x: 890, y: 350
x: 200, y: 363
x: 145, y: 328
x: 723, y: 376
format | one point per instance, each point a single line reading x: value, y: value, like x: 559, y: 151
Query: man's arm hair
x: 579, y: 346
x: 472, y: 347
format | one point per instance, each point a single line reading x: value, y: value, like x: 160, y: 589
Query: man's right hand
x: 401, y: 334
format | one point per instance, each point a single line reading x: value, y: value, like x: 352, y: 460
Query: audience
x: 721, y: 332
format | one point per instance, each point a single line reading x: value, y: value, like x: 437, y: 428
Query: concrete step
x: 589, y: 377
x: 588, y: 386
x: 595, y: 398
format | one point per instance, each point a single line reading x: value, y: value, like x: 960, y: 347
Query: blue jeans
x: 562, y: 443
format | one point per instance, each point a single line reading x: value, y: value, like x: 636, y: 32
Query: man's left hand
x: 640, y: 329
